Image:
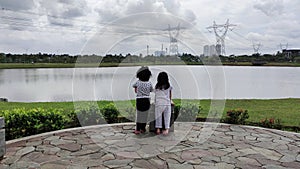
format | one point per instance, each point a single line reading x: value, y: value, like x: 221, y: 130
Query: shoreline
x: 93, y: 65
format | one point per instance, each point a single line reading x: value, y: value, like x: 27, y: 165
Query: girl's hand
x: 172, y: 103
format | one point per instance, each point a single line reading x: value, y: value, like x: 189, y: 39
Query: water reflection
x: 190, y: 82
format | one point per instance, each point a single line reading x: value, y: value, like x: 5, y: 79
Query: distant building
x: 159, y: 53
x: 291, y: 52
x: 209, y: 50
x: 206, y: 50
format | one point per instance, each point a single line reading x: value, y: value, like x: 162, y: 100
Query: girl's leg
x: 158, y: 116
x: 167, y: 119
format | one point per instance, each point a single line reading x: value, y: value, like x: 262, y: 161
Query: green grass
x: 287, y: 110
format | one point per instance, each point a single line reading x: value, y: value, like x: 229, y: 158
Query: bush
x: 110, y: 113
x: 22, y: 122
x: 130, y: 113
x: 236, y: 116
x: 88, y: 115
x: 271, y: 123
x: 186, y: 112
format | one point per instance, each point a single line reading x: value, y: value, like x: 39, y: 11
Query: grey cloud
x: 60, y: 12
x: 17, y: 4
x: 270, y: 7
x: 119, y: 9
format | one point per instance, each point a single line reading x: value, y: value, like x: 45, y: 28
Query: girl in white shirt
x: 163, y: 95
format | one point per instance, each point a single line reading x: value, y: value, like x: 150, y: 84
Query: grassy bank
x: 287, y: 110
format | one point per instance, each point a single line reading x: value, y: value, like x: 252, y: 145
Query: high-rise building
x: 209, y: 50
x: 206, y: 50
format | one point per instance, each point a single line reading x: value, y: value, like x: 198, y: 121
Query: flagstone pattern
x: 115, y: 146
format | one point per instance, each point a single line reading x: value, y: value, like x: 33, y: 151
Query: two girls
x: 163, y: 95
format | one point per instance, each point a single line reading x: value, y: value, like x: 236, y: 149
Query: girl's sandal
x: 136, y: 132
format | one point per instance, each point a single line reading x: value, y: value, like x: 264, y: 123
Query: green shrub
x: 88, y: 115
x: 236, y: 116
x: 110, y: 113
x: 186, y: 112
x: 130, y: 113
x: 22, y: 122
x: 271, y: 123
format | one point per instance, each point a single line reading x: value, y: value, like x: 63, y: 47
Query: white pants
x: 166, y: 111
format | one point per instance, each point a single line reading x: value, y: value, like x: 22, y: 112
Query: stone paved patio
x: 192, y: 145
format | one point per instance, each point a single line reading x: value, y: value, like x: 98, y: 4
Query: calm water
x: 189, y: 82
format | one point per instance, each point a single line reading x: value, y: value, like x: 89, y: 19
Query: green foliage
x: 236, y: 116
x: 88, y: 115
x: 271, y: 123
x: 22, y: 122
x: 130, y: 113
x: 110, y: 113
x: 186, y: 112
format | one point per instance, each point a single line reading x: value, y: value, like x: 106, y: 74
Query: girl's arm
x: 172, y: 103
x: 135, y: 89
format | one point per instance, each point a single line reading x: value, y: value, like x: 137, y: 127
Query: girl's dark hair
x: 162, y: 81
x: 143, y: 74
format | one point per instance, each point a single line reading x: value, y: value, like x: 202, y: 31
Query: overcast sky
x: 128, y: 26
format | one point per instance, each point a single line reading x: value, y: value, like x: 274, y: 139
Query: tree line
x: 128, y: 58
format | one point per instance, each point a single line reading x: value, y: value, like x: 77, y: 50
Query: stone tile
x: 107, y: 157
x: 47, y: 149
x: 247, y: 151
x: 166, y: 156
x: 124, y: 154
x: 25, y: 151
x: 298, y: 158
x: 70, y: 147
x: 51, y: 138
x: 194, y: 154
x: 83, y: 152
x: 271, y: 166
x: 180, y: 166
x: 39, y: 157
x: 55, y: 164
x: 34, y: 143
x: 291, y: 164
x: 288, y: 158
x: 21, y: 143
x: 211, y: 158
x: 268, y: 153
x: 119, y: 163
x: 61, y: 142
x: 249, y: 161
x: 157, y: 163
x: 263, y: 159
x: 224, y: 166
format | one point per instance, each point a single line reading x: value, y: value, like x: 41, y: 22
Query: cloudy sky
x: 128, y: 26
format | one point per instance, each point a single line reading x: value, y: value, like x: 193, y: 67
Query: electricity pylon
x: 173, y: 48
x: 220, y: 33
x: 256, y: 47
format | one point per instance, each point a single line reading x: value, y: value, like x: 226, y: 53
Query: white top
x: 162, y: 97
x: 143, y: 89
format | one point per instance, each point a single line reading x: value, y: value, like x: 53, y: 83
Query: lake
x: 189, y: 82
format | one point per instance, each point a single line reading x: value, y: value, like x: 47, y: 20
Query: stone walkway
x: 192, y: 145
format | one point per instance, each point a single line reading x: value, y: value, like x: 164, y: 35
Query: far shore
x: 91, y: 65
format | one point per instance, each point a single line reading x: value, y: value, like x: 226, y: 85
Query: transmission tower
x: 220, y: 33
x: 284, y: 48
x: 173, y: 48
x: 256, y: 47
